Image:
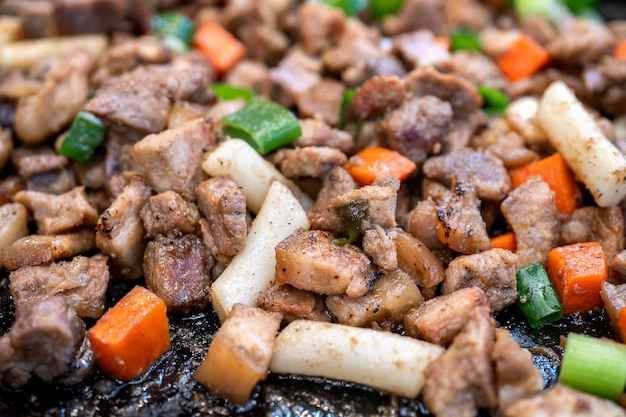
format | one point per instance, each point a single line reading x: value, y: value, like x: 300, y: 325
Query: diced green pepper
x: 595, y: 366
x: 350, y: 7
x: 231, y: 92
x: 581, y: 7
x: 351, y: 214
x: 465, y: 39
x: 83, y: 137
x: 494, y: 101
x: 264, y: 124
x: 175, y: 29
x: 537, y: 298
x: 382, y: 8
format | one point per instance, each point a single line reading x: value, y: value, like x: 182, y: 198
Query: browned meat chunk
x: 295, y: 74
x: 509, y: 146
x: 603, y: 225
x: 420, y: 48
x: 461, y: 380
x: 460, y: 225
x: 250, y: 74
x: 582, y: 43
x: 59, y: 213
x: 177, y: 270
x: 414, y: 128
x: 310, y: 261
x: 55, y: 104
x: 82, y: 282
x: 322, y: 100
x: 475, y: 67
x: 422, y: 223
x: 320, y: 26
x: 315, y: 132
x: 440, y: 319
x: 47, y: 340
x: 563, y: 401
x: 172, y: 159
x: 293, y: 303
x: 492, y: 271
x: 606, y: 84
x: 42, y: 249
x: 617, y: 268
x: 614, y: 298
x: 169, y: 214
x: 531, y: 212
x: 338, y: 182
x: 417, y: 260
x: 516, y: 375
x: 120, y: 232
x: 44, y: 170
x: 311, y: 161
x: 139, y: 101
x: 223, y: 203
x: 460, y: 93
x: 486, y: 172
x: 392, y: 295
x: 377, y: 95
x: 418, y: 14
x: 472, y: 14
x: 380, y: 246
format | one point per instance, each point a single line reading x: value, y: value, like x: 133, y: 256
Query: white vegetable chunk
x: 381, y: 360
x: 237, y: 160
x: 252, y: 271
x: 592, y: 157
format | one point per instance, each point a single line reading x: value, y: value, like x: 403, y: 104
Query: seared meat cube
x: 595, y: 224
x: 82, y: 282
x: 487, y: 172
x: 59, y: 213
x: 378, y: 95
x: 320, y: 27
x: 172, y: 159
x: 420, y: 48
x: 311, y: 161
x: 440, y: 319
x: 614, y: 298
x: 336, y: 183
x: 252, y: 75
x: 223, y: 203
x: 617, y: 268
x: 461, y: 380
x: 506, y: 144
x: 42, y: 249
x: 169, y: 214
x: 563, y: 401
x: 13, y: 223
x: 47, y: 340
x: 293, y: 303
x: 583, y: 43
x: 380, y: 246
x: 177, y: 269
x: 418, y: 14
x: 417, y: 260
x: 516, y: 375
x: 296, y: 74
x: 475, y: 67
x: 460, y: 225
x: 492, y: 271
x: 120, y: 232
x: 316, y: 132
x: 309, y: 260
x: 44, y: 170
x: 422, y: 223
x: 392, y: 295
x: 322, y: 100
x: 531, y: 212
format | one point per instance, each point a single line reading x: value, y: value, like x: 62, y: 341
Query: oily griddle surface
x: 168, y: 389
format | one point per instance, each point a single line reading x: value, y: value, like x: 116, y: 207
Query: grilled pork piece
x: 168, y: 213
x: 293, y: 303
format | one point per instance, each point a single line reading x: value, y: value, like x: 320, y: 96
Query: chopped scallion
x: 465, y: 39
x: 494, y: 101
x: 537, y: 298
x: 264, y: 124
x: 595, y: 366
x: 349, y: 7
x: 175, y: 29
x: 83, y: 137
x: 231, y: 92
x: 351, y: 214
x: 382, y: 8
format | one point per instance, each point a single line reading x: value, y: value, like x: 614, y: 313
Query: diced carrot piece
x: 523, y: 58
x: 555, y: 171
x: 375, y: 162
x: 131, y: 335
x: 577, y: 272
x: 219, y: 46
x: 504, y: 241
x: 620, y: 50
x: 621, y: 325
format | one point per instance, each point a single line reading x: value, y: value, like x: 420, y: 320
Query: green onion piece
x: 494, y: 101
x: 175, y: 29
x: 465, y: 39
x: 537, y: 298
x: 349, y: 7
x: 264, y: 124
x: 351, y: 214
x: 231, y: 92
x: 382, y: 8
x: 343, y: 109
x: 581, y: 7
x: 550, y: 10
x: 83, y: 137
x: 596, y: 366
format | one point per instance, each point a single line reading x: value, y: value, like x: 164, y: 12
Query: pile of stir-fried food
x: 354, y: 187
